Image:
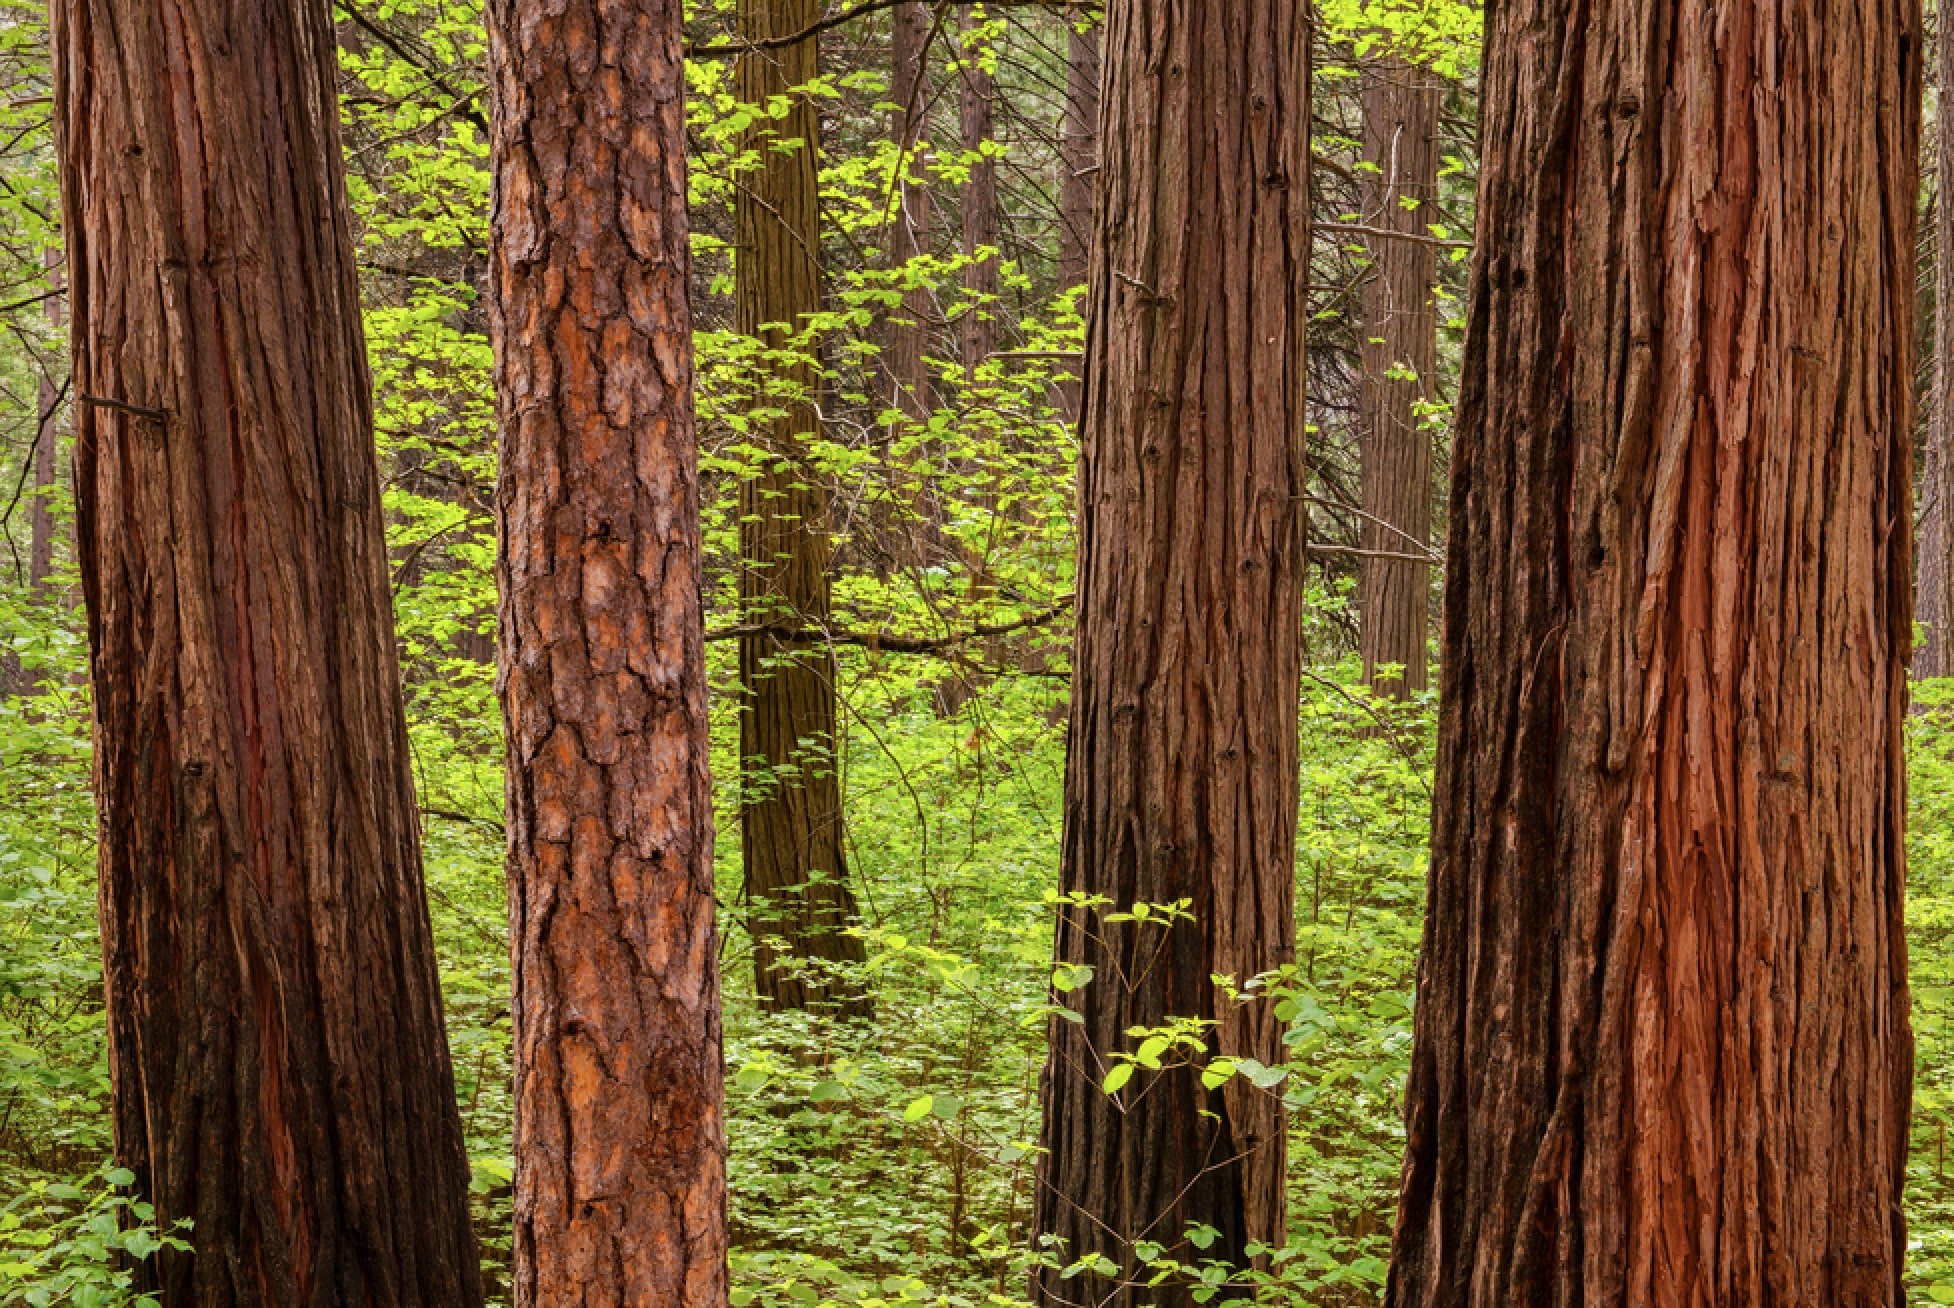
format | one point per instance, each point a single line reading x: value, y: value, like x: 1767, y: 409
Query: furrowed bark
x: 790, y: 749
x: 1662, y: 1050
x: 1181, y: 775
x: 619, y: 1120
x: 790, y: 803
x: 1935, y: 589
x: 280, y: 1070
x: 1400, y: 358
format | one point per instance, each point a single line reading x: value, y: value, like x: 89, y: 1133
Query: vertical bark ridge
x: 1181, y: 773
x: 1935, y: 589
x: 790, y: 804
x: 1662, y: 1045
x: 280, y: 1069
x: 1400, y: 358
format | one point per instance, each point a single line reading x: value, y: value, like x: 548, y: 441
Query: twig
x: 136, y: 410
x: 1386, y: 234
x: 888, y: 642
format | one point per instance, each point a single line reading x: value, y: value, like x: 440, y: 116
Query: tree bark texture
x: 911, y: 28
x: 1662, y: 1052
x: 619, y: 1119
x: 1934, y: 592
x: 281, y: 1072
x: 1181, y: 776
x: 1400, y: 359
x: 1078, y: 159
x: 1078, y: 136
x: 790, y: 804
x: 47, y: 461
x: 977, y: 106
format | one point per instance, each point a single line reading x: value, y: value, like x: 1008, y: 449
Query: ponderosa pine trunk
x: 977, y: 112
x: 1181, y: 780
x: 1934, y: 593
x: 1662, y: 1052
x: 797, y: 892
x: 1078, y: 160
x: 620, y: 1136
x: 276, y: 1045
x: 909, y: 91
x: 1400, y: 358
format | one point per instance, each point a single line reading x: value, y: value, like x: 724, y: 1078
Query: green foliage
x: 77, y: 1246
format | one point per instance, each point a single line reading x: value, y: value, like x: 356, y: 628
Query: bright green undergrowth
x: 886, y: 1163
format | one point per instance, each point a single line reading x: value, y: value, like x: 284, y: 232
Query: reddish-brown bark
x: 791, y: 835
x: 1181, y: 773
x: 619, y: 1121
x: 280, y: 1070
x: 1662, y: 1053
x: 1400, y: 356
x: 1934, y: 592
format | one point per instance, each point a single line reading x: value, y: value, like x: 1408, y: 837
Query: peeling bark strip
x: 619, y: 1131
x: 280, y: 1068
x: 791, y: 839
x: 1662, y: 1044
x: 1181, y: 773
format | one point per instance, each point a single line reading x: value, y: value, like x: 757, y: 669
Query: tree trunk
x: 1181, y: 776
x: 790, y: 803
x: 1078, y: 159
x: 619, y: 1122
x: 1400, y: 357
x: 1935, y: 658
x: 909, y: 129
x: 280, y: 1068
x: 1662, y: 1053
x: 1078, y: 151
x: 47, y: 461
x: 978, y: 109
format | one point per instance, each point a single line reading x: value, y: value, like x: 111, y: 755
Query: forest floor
x: 889, y: 1162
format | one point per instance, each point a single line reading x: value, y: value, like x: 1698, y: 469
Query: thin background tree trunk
x: 1400, y: 358
x: 790, y: 786
x: 909, y: 129
x: 619, y: 1118
x: 281, y: 1074
x: 1935, y: 590
x: 1078, y: 160
x: 47, y: 457
x: 1662, y: 1051
x: 1181, y: 780
x: 977, y: 105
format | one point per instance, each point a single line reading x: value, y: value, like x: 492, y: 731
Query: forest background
x: 886, y: 1157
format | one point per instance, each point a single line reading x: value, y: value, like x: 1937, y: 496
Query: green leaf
x: 1117, y: 1078
x: 920, y: 1109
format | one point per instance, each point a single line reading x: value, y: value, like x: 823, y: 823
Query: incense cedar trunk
x: 1662, y: 1052
x: 276, y: 1045
x: 1181, y: 780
